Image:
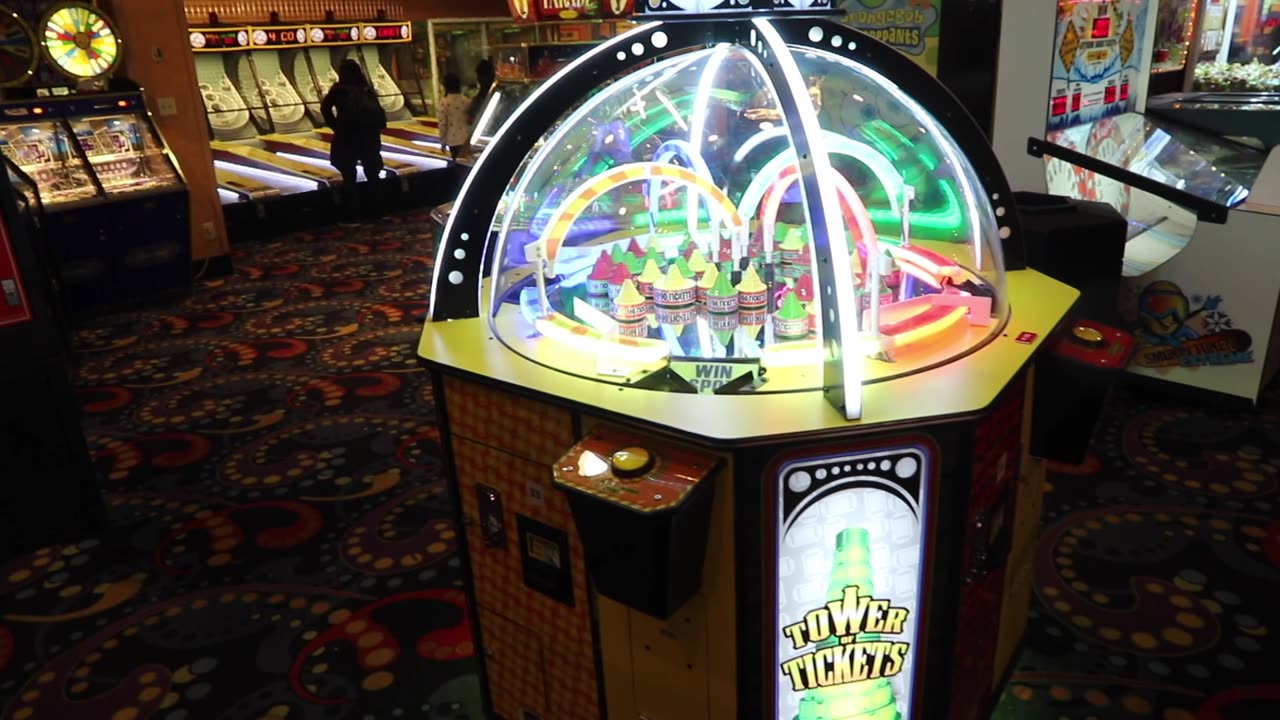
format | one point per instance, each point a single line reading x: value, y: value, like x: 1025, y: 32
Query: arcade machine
x: 371, y: 44
x: 262, y: 88
x: 1200, y: 291
x: 49, y: 493
x: 520, y: 69
x: 734, y: 388
x: 99, y: 164
x: 1232, y: 74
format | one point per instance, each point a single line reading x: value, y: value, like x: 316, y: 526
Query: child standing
x: 455, y: 131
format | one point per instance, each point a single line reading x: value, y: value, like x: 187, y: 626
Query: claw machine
x: 735, y: 385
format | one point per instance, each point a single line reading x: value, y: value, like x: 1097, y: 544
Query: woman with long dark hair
x: 352, y: 109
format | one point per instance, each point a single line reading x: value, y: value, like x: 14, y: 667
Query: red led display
x: 278, y: 36
x: 1101, y: 28
x: 1075, y: 102
x: 1058, y: 106
x: 334, y: 34
x: 1124, y: 91
x: 213, y: 40
x: 1109, y: 94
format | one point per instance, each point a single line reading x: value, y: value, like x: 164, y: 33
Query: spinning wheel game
x: 80, y: 41
x: 18, y: 56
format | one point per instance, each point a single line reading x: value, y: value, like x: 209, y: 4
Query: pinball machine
x: 735, y: 387
x: 99, y: 164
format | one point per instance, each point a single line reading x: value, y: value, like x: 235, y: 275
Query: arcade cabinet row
x: 262, y: 89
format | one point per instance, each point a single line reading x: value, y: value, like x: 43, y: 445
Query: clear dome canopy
x: 663, y: 223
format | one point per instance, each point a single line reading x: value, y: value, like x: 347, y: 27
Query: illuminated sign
x: 218, y: 39
x: 278, y: 37
x: 692, y: 7
x: 333, y: 34
x: 386, y: 32
x: 1101, y: 28
x: 551, y: 10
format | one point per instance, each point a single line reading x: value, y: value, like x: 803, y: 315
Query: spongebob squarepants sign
x: 1175, y: 330
x: 911, y: 26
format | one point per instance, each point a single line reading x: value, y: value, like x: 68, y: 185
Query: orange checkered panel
x: 563, y: 633
x: 523, y: 427
x: 515, y: 666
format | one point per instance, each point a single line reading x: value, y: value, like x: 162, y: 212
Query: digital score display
x: 1101, y: 28
x: 218, y: 39
x: 278, y: 37
x: 333, y: 34
x: 386, y: 32
x: 1058, y: 106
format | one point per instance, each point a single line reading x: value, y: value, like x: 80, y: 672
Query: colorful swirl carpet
x: 282, y: 544
x: 281, y: 541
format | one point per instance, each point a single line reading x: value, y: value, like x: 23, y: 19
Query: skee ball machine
x: 733, y: 383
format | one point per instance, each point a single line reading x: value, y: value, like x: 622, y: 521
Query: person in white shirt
x: 455, y: 131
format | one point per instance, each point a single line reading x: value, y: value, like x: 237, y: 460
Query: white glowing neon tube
x: 555, y: 142
x: 851, y: 361
x: 929, y: 125
x: 698, y: 126
x: 283, y: 181
x: 604, y: 47
x: 485, y: 116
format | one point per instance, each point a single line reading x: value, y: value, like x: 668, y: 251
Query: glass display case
x: 125, y: 153
x: 664, y: 221
x: 45, y: 151
x: 1200, y: 166
x: 1175, y: 20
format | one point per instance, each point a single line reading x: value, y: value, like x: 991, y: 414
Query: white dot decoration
x: 995, y: 196
x: 815, y: 34
x: 832, y: 314
x: 906, y: 467
x: 820, y: 473
x: 637, y: 49
x: 1005, y: 232
x: 659, y: 40
x: 999, y: 212
x: 752, y: 37
x: 455, y: 277
x: 621, y: 55
x: 465, y: 236
x: 799, y: 481
x: 853, y: 45
x: 836, y: 41
x: 460, y: 254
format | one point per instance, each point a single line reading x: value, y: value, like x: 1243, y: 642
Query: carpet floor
x: 282, y: 543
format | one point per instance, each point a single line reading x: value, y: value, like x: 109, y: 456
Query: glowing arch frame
x: 581, y: 197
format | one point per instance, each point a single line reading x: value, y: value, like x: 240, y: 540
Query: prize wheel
x: 18, y: 56
x: 80, y: 41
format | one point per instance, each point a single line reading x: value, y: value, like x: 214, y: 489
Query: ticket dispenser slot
x: 643, y: 510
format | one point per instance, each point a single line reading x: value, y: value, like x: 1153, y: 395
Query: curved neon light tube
x: 698, y: 126
x: 929, y: 125
x: 851, y: 370
x: 838, y: 144
x: 577, y: 201
x: 555, y: 142
x: 605, y: 47
x: 684, y: 150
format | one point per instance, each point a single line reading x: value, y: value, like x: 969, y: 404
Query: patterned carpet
x: 1157, y: 570
x: 282, y: 545
x: 282, y: 548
